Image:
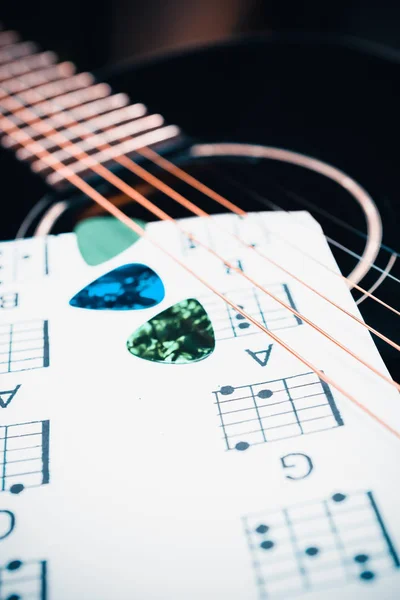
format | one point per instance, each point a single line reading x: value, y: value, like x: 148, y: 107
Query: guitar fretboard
x: 38, y: 95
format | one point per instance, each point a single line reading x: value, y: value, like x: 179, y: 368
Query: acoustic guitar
x: 200, y: 328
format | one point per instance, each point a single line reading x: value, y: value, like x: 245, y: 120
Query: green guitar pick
x: 102, y: 238
x: 181, y: 334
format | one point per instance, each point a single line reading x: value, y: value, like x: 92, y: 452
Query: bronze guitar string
x: 134, y: 164
x: 189, y: 205
x: 167, y: 165
x: 119, y: 183
x: 130, y: 164
x: 157, y: 183
x: 261, y: 288
x: 79, y: 183
x: 60, y: 165
x: 371, y: 264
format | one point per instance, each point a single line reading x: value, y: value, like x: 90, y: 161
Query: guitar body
x: 150, y: 443
x: 332, y: 100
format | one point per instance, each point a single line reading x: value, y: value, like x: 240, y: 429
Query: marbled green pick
x: 102, y: 238
x: 179, y: 335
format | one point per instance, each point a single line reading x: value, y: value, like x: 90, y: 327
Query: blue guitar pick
x: 130, y: 287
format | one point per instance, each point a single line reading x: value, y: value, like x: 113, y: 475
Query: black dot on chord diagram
x: 367, y: 575
x: 17, y: 488
x: 361, y: 558
x: 265, y: 394
x: 14, y: 597
x: 26, y: 256
x: 262, y: 528
x: 338, y: 497
x: 14, y: 565
x: 267, y: 545
x: 312, y: 551
x: 226, y: 390
x: 240, y: 317
x: 241, y: 446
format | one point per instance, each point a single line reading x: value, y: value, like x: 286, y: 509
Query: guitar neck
x: 49, y: 102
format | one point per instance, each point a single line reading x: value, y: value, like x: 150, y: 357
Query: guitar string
x: 109, y: 207
x: 166, y: 164
x: 371, y: 264
x: 14, y: 43
x: 286, y: 306
x: 138, y: 170
x: 385, y: 273
x: 65, y: 143
x: 183, y: 175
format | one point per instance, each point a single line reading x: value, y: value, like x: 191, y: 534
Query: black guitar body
x: 334, y: 100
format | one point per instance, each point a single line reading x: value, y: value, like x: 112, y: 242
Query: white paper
x: 141, y: 482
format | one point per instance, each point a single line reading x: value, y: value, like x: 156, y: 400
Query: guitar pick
x: 181, y: 334
x: 130, y: 287
x: 102, y: 238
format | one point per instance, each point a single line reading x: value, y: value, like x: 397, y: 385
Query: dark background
x: 95, y: 34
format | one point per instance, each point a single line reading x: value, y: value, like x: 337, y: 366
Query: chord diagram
x: 8, y: 300
x: 23, y: 579
x: 275, y: 410
x: 24, y: 456
x: 228, y: 323
x: 336, y: 541
x: 24, y: 346
x: 23, y: 260
x: 218, y: 233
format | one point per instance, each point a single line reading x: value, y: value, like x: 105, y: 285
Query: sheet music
x: 241, y: 476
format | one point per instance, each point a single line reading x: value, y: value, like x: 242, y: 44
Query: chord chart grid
x: 335, y: 541
x: 19, y: 579
x: 275, y: 410
x: 23, y: 260
x: 229, y: 324
x: 24, y: 456
x: 24, y: 346
x: 218, y: 233
x: 8, y: 300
